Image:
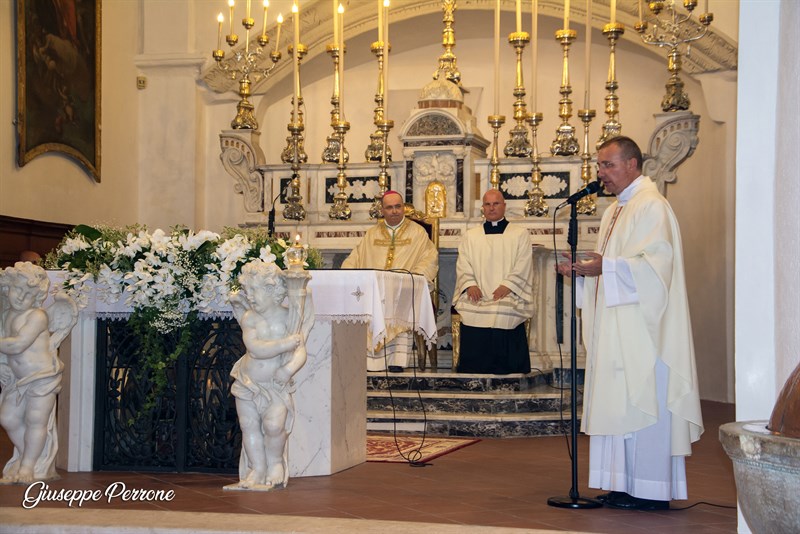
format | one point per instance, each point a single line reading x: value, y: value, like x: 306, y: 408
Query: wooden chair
x: 435, y: 209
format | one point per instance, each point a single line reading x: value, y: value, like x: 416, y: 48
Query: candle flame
x: 266, y: 3
x: 280, y: 18
x: 295, y: 9
x: 341, y: 9
x: 230, y: 3
x: 220, y: 18
x: 385, y: 3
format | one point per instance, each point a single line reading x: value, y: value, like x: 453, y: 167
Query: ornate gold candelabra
x: 340, y: 209
x: 518, y: 145
x: 586, y: 205
x: 565, y: 143
x: 496, y: 122
x: 673, y: 30
x: 375, y: 211
x: 535, y: 206
x: 612, y: 127
x: 295, y: 152
x: 377, y: 149
x: 447, y: 61
x: 245, y: 67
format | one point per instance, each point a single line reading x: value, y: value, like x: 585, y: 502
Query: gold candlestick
x: 245, y: 67
x: 334, y: 142
x: 535, y: 206
x: 376, y: 150
x: 294, y: 209
x: 612, y: 127
x: 340, y: 209
x: 375, y: 211
x: 586, y: 205
x: 447, y: 61
x: 518, y: 145
x: 496, y: 122
x: 565, y: 143
x: 295, y: 142
x: 674, y: 30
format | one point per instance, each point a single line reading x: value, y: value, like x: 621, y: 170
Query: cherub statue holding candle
x: 276, y: 314
x: 30, y: 371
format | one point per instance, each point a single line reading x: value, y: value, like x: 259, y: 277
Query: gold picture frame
x: 58, y: 80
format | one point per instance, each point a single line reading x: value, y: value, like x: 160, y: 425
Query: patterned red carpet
x: 402, y: 449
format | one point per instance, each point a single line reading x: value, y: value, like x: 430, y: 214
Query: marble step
x: 449, y: 381
x: 473, y: 425
x: 543, y: 399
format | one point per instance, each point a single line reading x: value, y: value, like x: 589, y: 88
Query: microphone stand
x: 573, y: 500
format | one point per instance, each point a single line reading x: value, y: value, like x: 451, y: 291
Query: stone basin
x: 766, y: 466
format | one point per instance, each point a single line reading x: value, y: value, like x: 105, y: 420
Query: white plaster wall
x: 53, y: 187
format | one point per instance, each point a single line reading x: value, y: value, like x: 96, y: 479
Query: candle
x: 296, y: 100
x: 640, y: 11
x: 613, y: 11
x: 380, y: 20
x: 230, y: 25
x: 340, y: 44
x: 386, y: 61
x: 519, y: 16
x: 264, y: 27
x: 335, y: 24
x: 278, y: 33
x: 705, y: 4
x: 220, y: 18
x: 497, y: 58
x: 588, y: 52
x: 248, y: 9
x: 534, y: 51
x: 566, y: 14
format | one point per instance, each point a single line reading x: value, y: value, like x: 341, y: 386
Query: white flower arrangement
x: 172, y: 273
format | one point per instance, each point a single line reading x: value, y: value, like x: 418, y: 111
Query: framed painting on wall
x: 58, y: 80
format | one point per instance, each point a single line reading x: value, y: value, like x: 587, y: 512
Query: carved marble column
x: 241, y: 156
x: 673, y: 141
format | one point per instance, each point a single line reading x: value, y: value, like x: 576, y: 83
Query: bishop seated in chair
x: 394, y: 243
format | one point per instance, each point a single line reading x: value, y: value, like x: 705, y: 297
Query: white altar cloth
x: 329, y: 434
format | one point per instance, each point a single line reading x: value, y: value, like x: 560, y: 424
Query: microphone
x: 590, y: 189
x: 271, y: 217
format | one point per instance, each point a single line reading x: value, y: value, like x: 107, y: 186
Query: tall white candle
x: 220, y: 18
x: 335, y: 23
x: 566, y: 14
x: 340, y: 44
x: 248, y: 10
x: 230, y: 21
x: 588, y: 53
x: 386, y: 61
x: 519, y: 16
x: 278, y: 32
x: 613, y: 11
x: 640, y: 11
x: 534, y: 51
x: 296, y: 17
x: 497, y: 58
x: 380, y: 20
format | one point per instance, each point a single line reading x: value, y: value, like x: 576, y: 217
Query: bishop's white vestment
x: 406, y: 247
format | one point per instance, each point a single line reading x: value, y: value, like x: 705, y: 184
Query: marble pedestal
x: 329, y: 433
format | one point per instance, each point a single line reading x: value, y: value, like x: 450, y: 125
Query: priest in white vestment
x: 394, y: 243
x: 641, y: 404
x: 494, y: 293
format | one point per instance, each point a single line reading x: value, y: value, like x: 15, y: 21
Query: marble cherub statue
x: 274, y: 333
x: 30, y: 371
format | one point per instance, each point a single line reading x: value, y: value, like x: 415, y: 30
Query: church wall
x: 53, y: 187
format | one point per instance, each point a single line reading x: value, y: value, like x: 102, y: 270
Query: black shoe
x: 624, y: 501
x: 610, y: 496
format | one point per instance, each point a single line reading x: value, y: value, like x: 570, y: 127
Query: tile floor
x: 500, y: 483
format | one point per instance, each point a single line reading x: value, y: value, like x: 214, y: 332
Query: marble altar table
x: 329, y: 434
